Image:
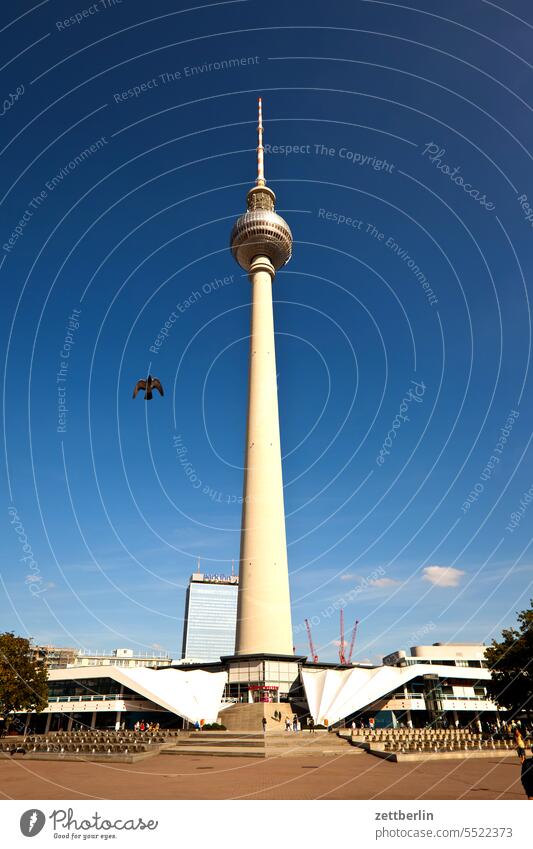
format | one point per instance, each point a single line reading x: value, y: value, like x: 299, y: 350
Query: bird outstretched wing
x: 156, y: 384
x: 141, y: 384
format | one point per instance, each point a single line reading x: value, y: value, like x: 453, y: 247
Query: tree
x: 511, y: 664
x: 22, y: 679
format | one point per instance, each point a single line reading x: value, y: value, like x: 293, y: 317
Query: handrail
x: 96, y: 698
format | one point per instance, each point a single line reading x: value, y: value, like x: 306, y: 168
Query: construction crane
x: 352, y: 642
x: 342, y: 644
x: 310, y: 638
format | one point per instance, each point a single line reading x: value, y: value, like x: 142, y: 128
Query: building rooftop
x: 203, y: 578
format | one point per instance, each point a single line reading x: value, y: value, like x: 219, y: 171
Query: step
x: 248, y: 752
x: 221, y: 735
x: 217, y: 751
x: 300, y: 741
x: 306, y: 740
x: 305, y: 751
x: 230, y: 741
x: 300, y: 753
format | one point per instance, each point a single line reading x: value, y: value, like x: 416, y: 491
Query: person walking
x: 264, y: 722
x: 311, y: 723
x: 295, y: 723
x: 527, y: 777
x: 520, y: 744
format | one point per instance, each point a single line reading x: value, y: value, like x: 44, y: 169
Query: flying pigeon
x: 146, y: 386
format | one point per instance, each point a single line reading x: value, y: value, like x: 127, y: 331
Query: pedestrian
x: 264, y: 722
x: 295, y: 723
x: 353, y: 727
x: 287, y: 724
x: 527, y: 777
x: 520, y: 744
x: 298, y: 725
x: 311, y: 723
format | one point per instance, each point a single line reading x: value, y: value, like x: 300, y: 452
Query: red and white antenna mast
x: 260, y: 149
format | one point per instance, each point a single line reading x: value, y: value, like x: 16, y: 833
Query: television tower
x: 261, y: 242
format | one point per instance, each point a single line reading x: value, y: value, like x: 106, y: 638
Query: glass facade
x: 89, y: 688
x: 210, y: 620
x: 261, y: 680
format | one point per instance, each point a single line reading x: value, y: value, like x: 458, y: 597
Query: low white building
x: 126, y: 658
x: 444, y: 683
x: 105, y: 697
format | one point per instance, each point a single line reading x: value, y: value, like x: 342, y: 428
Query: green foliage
x: 511, y: 664
x: 213, y: 726
x: 22, y: 679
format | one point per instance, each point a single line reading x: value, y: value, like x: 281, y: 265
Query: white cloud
x: 442, y: 576
x: 348, y: 577
x: 385, y: 582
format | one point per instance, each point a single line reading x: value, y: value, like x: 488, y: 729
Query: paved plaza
x: 302, y: 777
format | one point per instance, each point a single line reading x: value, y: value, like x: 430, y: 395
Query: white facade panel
x: 333, y: 694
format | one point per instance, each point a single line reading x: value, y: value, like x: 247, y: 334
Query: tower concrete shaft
x: 261, y: 242
x: 264, y: 612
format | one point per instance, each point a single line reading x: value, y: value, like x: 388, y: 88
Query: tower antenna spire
x: 260, y: 149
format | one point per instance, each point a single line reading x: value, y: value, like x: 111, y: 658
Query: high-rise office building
x: 210, y: 617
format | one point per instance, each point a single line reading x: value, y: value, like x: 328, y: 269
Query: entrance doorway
x: 263, y: 692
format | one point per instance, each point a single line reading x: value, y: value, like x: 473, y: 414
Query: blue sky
x: 400, y: 139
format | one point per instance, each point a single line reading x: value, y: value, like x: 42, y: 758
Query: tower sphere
x: 260, y: 231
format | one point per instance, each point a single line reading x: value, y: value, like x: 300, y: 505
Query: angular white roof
x: 193, y: 694
x: 333, y: 694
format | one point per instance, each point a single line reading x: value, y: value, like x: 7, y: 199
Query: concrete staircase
x: 225, y: 744
x: 249, y: 717
x: 272, y: 744
x: 288, y: 744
